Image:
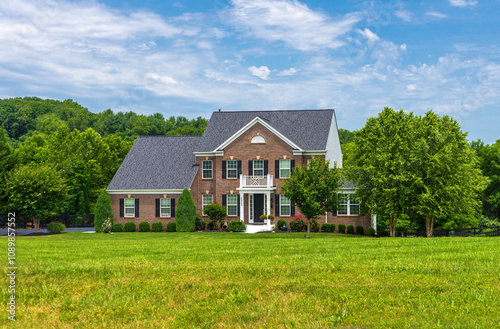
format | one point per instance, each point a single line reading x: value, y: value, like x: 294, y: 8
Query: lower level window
x: 285, y: 207
x: 207, y: 199
x: 348, y: 205
x: 130, y: 207
x: 165, y: 207
x: 232, y: 205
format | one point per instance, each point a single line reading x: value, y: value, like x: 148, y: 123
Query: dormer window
x: 258, y: 139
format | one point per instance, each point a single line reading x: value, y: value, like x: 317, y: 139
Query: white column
x: 268, y: 208
x: 374, y: 222
x: 242, y: 206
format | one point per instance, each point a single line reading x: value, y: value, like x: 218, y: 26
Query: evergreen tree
x: 102, y: 210
x: 185, y: 214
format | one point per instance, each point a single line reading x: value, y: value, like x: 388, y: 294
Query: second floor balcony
x: 265, y: 181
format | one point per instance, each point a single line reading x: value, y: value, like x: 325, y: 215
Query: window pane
x: 129, y: 202
x: 232, y: 204
x: 284, y: 168
x: 344, y: 202
x: 354, y: 207
x: 207, y: 168
x: 258, y: 167
x: 165, y: 202
x: 232, y: 169
x: 284, y: 206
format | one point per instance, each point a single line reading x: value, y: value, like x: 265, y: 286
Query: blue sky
x: 192, y: 57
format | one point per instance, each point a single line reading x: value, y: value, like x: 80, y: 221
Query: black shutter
x: 122, y: 207
x: 238, y: 205
x: 239, y: 169
x: 277, y: 169
x: 266, y: 168
x: 172, y: 207
x: 224, y: 169
x: 292, y: 165
x: 136, y: 207
x: 224, y: 200
x: 292, y: 208
x: 277, y: 206
x: 250, y: 167
x: 157, y: 201
x: 334, y: 211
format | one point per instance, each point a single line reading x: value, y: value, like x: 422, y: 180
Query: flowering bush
x: 106, y: 226
x: 298, y: 223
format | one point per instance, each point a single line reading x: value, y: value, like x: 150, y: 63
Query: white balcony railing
x: 256, y: 181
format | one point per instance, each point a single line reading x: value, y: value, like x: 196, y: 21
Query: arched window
x: 258, y: 140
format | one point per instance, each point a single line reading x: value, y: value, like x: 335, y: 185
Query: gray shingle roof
x: 158, y: 162
x: 306, y: 128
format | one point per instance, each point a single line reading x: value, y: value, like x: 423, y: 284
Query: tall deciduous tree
x: 7, y: 163
x: 35, y: 192
x: 489, y: 157
x: 313, y: 188
x: 185, y: 213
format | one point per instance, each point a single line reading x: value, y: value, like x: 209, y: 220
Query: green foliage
x: 118, y: 227
x: 370, y: 231
x: 212, y: 226
x: 341, y: 228
x: 298, y: 223
x: 489, y: 162
x: 345, y: 136
x: 216, y: 212
x: 129, y: 227
x: 200, y: 223
x: 107, y: 225
x: 313, y: 188
x: 35, y: 192
x: 103, y: 210
x: 236, y: 226
x: 350, y: 229
x: 185, y: 214
x: 171, y: 227
x: 360, y: 230
x: 7, y: 163
x: 56, y: 227
x: 157, y: 227
x: 400, y: 230
x: 314, y: 225
x: 144, y: 227
x: 484, y: 221
x: 326, y: 227
x: 281, y: 223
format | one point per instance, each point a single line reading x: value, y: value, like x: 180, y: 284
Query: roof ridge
x: 249, y: 111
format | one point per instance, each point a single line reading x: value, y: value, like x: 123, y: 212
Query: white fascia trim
x: 313, y: 152
x: 145, y: 191
x: 209, y: 154
x: 347, y: 190
x: 248, y: 126
x: 255, y: 190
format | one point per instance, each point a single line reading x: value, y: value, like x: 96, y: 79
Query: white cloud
x: 403, y: 14
x: 262, y: 72
x: 289, y: 72
x: 290, y: 22
x: 463, y: 3
x: 436, y: 14
x: 369, y: 35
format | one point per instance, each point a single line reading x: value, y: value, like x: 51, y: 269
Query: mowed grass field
x: 230, y: 280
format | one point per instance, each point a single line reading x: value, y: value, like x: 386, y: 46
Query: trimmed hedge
x: 56, y: 227
x: 341, y: 228
x: 171, y: 227
x: 360, y: 230
x: 325, y: 227
x: 200, y: 223
x: 157, y: 227
x: 350, y: 229
x: 370, y: 231
x: 281, y: 223
x: 117, y: 227
x: 236, y: 226
x: 129, y: 227
x: 144, y: 227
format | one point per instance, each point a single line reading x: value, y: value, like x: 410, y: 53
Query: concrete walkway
x: 44, y: 230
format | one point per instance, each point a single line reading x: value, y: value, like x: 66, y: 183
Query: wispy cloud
x: 403, y: 14
x: 261, y: 72
x: 463, y: 3
x: 436, y: 14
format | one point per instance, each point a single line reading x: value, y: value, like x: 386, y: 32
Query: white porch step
x: 252, y: 228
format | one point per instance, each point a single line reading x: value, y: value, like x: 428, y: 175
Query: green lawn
x: 230, y: 280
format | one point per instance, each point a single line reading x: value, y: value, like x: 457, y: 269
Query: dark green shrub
x: 281, y: 223
x: 370, y: 231
x: 200, y: 223
x: 171, y: 227
x: 217, y: 213
x: 314, y: 226
x: 326, y: 227
x: 360, y: 230
x: 102, y: 210
x: 298, y: 223
x: 185, y: 213
x: 56, y: 227
x: 129, y: 227
x: 144, y: 227
x: 341, y: 228
x: 157, y: 227
x: 236, y: 226
x: 117, y: 227
x: 400, y: 230
x: 212, y: 225
x: 350, y: 229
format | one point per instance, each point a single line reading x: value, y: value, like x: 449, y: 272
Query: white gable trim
x: 250, y: 125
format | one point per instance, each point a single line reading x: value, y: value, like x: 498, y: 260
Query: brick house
x: 240, y: 162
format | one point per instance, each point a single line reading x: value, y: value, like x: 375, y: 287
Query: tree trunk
x: 308, y: 227
x: 392, y: 226
x: 429, y: 225
x: 36, y: 224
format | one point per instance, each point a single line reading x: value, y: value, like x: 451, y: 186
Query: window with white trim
x: 258, y: 140
x: 232, y: 169
x: 285, y: 206
x: 284, y: 168
x: 129, y: 207
x: 206, y: 200
x: 258, y: 168
x: 232, y: 205
x: 207, y: 168
x: 165, y: 209
x: 349, y: 205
